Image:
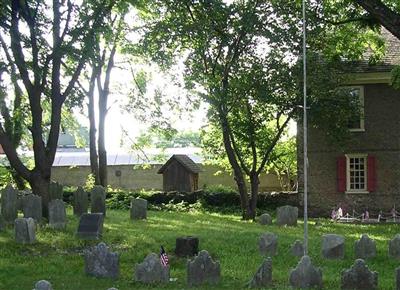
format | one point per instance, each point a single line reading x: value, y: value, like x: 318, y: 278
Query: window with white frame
x: 356, y: 124
x: 356, y: 172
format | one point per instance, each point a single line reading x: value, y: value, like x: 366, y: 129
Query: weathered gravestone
x: 263, y: 276
x: 265, y: 219
x: 397, y: 278
x: 359, y: 277
x: 394, y: 247
x: 186, y: 246
x: 32, y: 207
x: 9, y: 204
x: 138, y: 208
x: 90, y: 226
x: 2, y: 223
x: 25, y: 230
x: 101, y: 262
x: 287, y: 215
x: 305, y: 275
x: 268, y: 244
x: 203, y: 270
x: 365, y: 248
x: 43, y: 285
x: 20, y: 198
x: 56, y: 191
x: 333, y: 246
x: 151, y: 270
x: 57, y: 214
x: 98, y: 200
x: 81, y: 202
x: 298, y: 249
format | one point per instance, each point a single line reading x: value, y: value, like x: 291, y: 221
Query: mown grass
x: 57, y: 256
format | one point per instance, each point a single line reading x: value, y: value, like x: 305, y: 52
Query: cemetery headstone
x: 365, y: 248
x: 298, y: 249
x: 203, y: 270
x: 287, y: 215
x: 305, y: 275
x: 32, y: 207
x: 9, y: 204
x: 268, y: 244
x: 263, y: 276
x: 359, y: 277
x: 81, y: 202
x: 20, y: 197
x: 2, y: 223
x: 397, y: 278
x: 151, y: 270
x: 56, y: 191
x: 186, y: 246
x: 25, y: 230
x: 265, y: 219
x: 90, y: 226
x: 138, y: 208
x: 394, y: 247
x: 98, y: 200
x: 43, y: 285
x: 101, y: 262
x: 57, y: 214
x: 333, y: 246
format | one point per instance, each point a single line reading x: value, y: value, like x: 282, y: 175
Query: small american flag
x: 163, y: 257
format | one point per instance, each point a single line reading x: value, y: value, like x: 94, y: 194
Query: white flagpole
x: 305, y: 161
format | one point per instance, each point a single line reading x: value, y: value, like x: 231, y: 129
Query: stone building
x: 365, y: 172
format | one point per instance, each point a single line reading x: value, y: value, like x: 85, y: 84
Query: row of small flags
x: 163, y: 257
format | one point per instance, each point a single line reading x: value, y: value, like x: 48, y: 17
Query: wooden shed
x: 180, y: 173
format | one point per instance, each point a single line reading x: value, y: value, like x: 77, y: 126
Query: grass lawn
x: 57, y: 256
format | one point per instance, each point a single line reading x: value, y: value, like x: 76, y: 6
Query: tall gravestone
x: 151, y: 270
x: 25, y: 230
x: 394, y: 247
x: 32, y: 207
x: 56, y: 191
x: 287, y: 215
x: 81, y: 202
x: 268, y: 244
x: 305, y: 275
x: 90, y: 226
x: 98, y: 200
x: 9, y: 204
x: 138, y: 208
x: 57, y: 214
x: 359, y: 277
x: 203, y: 270
x: 365, y: 248
x: 333, y: 246
x: 263, y: 276
x: 101, y: 262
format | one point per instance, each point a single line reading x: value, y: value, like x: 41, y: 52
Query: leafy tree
x: 241, y: 59
x: 41, y: 36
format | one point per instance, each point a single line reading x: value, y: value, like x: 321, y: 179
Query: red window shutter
x: 341, y: 173
x: 371, y: 174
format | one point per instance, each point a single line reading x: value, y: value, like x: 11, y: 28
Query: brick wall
x: 380, y: 139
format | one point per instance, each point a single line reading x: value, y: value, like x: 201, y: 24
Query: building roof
x: 390, y: 59
x: 149, y: 156
x: 184, y: 160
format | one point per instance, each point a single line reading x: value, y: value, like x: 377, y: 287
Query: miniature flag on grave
x: 163, y: 257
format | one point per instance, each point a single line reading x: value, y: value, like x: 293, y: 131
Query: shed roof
x: 184, y: 160
x: 390, y: 59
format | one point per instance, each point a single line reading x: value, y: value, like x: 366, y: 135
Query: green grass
x: 57, y: 256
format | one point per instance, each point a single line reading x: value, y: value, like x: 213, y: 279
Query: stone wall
x: 147, y: 178
x: 380, y: 139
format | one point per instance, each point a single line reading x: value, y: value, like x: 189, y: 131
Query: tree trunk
x: 39, y: 183
x: 254, y: 184
x: 18, y: 179
x: 94, y: 164
x: 101, y: 141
